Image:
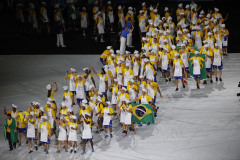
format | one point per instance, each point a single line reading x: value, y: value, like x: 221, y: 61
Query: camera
x: 238, y: 94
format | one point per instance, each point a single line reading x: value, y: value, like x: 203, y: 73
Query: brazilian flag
x: 142, y: 113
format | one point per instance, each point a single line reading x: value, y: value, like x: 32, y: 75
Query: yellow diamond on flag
x: 140, y: 111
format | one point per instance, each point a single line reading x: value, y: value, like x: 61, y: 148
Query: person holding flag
x: 10, y: 132
x: 107, y: 113
x: 144, y: 99
x: 197, y: 66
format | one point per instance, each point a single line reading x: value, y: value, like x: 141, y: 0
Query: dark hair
x: 49, y: 93
x: 103, y: 71
x: 9, y: 115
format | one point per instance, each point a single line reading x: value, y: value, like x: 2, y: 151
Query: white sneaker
x: 102, y: 40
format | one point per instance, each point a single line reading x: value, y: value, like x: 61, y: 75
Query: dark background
x: 27, y: 42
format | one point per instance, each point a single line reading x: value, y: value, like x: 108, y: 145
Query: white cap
x: 180, y: 5
x: 141, y: 11
x: 206, y: 45
x: 166, y: 9
x: 202, y: 12
x: 137, y: 55
x: 108, y: 102
x: 13, y: 105
x: 37, y: 103
x: 144, y: 38
x: 185, y: 42
x: 144, y: 90
x: 141, y: 76
x: 41, y: 108
x: 117, y: 51
x: 187, y: 6
x: 136, y: 51
x: 196, y: 52
x: 69, y: 109
x: 115, y: 80
x: 50, y: 99
x: 44, y: 117
x: 72, y: 69
x: 173, y: 47
x: 169, y: 18
x: 223, y: 25
x: 49, y: 87
x: 176, y: 54
x: 119, y: 7
x: 179, y: 32
x: 100, y: 93
x: 65, y: 88
x: 183, y: 45
x: 74, y: 117
x: 120, y: 83
x: 151, y: 8
x: 31, y: 113
x: 160, y: 31
x: 209, y: 33
x: 216, y: 9
x: 131, y: 80
x: 49, y: 103
x: 113, y: 55
x: 63, y: 104
x: 109, y: 47
x: 127, y: 52
x: 123, y: 88
x: 146, y: 60
x: 143, y: 3
x: 155, y: 10
x: 216, y: 45
x: 181, y: 13
x: 84, y: 69
x: 165, y: 40
x: 84, y: 101
x: 130, y: 8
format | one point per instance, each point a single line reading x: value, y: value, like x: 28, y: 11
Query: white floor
x: 191, y: 124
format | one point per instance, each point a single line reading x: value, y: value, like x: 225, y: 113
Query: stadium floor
x: 191, y: 124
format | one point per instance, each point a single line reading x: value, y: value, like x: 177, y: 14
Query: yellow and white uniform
x: 178, y: 67
x: 31, y: 128
x: 145, y: 99
x: 68, y: 100
x: 84, y: 19
x: 72, y: 133
x: 127, y: 74
x: 102, y: 82
x: 107, y: 118
x: 100, y: 25
x: 80, y: 92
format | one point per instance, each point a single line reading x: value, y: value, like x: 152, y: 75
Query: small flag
x: 142, y: 113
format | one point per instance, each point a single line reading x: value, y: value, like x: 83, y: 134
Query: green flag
x: 142, y: 113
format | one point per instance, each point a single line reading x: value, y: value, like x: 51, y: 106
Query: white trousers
x: 122, y: 45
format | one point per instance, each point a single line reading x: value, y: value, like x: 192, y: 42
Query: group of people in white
x: 127, y: 78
